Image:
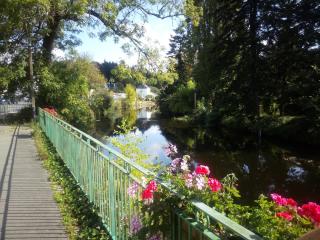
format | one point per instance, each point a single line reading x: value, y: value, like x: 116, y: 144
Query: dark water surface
x: 290, y: 170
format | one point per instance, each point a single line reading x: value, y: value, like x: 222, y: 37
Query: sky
x: 155, y: 30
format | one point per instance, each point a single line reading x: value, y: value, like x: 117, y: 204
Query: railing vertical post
x: 112, y: 205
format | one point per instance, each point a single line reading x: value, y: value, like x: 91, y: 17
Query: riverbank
x: 290, y: 129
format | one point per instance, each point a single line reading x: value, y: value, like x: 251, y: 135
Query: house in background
x: 143, y: 91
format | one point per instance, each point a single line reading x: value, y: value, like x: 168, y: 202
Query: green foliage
x: 65, y: 86
x: 100, y: 101
x: 247, y: 56
x: 264, y: 221
x: 130, y: 91
x: 106, y: 68
x: 180, y: 101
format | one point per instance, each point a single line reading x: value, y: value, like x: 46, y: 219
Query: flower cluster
x: 147, y: 193
x: 281, y: 201
x: 310, y: 210
x: 198, y: 179
x: 171, y: 150
x: 285, y: 215
x: 214, y: 184
x: 52, y: 111
x: 202, y: 170
x: 133, y: 189
x: 135, y: 224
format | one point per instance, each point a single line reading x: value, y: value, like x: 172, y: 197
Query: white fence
x: 13, y: 108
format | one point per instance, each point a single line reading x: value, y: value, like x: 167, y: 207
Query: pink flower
x: 155, y: 237
x: 281, y: 201
x: 133, y: 189
x: 189, y: 180
x: 174, y: 164
x: 152, y: 186
x: 278, y: 199
x: 202, y: 170
x: 200, y: 182
x: 184, y: 166
x: 135, y: 224
x: 170, y: 150
x: 285, y: 215
x: 214, y: 184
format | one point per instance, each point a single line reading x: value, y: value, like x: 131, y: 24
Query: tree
x: 106, y: 68
x: 131, y: 95
x: 250, y: 59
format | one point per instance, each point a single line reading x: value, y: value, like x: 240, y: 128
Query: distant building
x: 111, y: 86
x: 144, y: 91
x: 144, y: 114
x: 119, y: 96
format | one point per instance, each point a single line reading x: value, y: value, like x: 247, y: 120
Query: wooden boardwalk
x: 27, y: 207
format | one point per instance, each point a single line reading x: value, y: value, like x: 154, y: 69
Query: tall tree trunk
x: 48, y: 40
x: 30, y: 63
x: 253, y: 57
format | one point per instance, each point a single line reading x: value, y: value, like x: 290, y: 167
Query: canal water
x: 292, y: 171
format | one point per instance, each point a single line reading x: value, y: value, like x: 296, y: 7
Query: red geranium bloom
x: 285, y: 215
x: 214, y: 184
x: 291, y: 202
x: 52, y: 111
x: 310, y: 210
x: 202, y: 170
x: 147, y: 194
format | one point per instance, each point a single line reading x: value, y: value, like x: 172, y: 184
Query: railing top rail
x: 210, y: 212
x: 103, y: 146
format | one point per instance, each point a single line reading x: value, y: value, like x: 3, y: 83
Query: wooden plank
x: 27, y: 207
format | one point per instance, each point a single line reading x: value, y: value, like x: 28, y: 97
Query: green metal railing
x: 105, y: 175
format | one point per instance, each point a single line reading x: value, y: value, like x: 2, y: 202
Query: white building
x: 143, y: 91
x: 119, y: 96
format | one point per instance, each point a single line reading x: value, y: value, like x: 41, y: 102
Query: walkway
x: 27, y: 207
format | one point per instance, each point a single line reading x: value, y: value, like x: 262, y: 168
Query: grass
x: 79, y: 217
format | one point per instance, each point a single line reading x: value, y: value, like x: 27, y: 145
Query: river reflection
x: 260, y: 169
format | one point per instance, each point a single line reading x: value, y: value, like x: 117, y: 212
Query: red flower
x: 52, y: 111
x: 310, y: 210
x: 214, y: 184
x: 291, y: 202
x: 285, y: 215
x: 147, y: 194
x: 202, y: 170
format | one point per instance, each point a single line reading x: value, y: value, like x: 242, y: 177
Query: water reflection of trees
x: 260, y: 169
